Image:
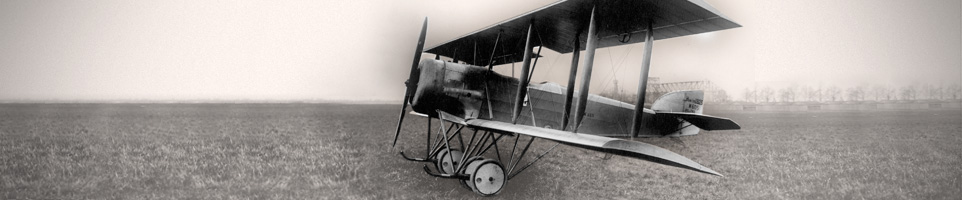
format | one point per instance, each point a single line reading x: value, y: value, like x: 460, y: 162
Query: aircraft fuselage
x: 474, y: 92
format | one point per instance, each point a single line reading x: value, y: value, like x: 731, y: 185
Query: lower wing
x: 599, y: 143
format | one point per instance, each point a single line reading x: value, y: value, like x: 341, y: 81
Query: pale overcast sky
x: 361, y: 50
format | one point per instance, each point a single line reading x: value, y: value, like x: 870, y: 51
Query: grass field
x: 310, y: 151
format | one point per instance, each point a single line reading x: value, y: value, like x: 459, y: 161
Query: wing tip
x: 655, y: 154
x: 712, y: 172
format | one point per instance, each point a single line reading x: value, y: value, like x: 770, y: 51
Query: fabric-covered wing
x: 706, y: 122
x: 621, y: 147
x: 556, y: 25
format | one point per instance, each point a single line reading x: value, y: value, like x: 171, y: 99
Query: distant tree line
x: 808, y: 93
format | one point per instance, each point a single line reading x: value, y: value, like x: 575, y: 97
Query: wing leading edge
x: 599, y: 143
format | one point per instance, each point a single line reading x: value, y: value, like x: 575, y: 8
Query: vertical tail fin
x: 680, y: 101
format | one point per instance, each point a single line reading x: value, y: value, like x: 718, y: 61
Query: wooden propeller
x: 412, y: 82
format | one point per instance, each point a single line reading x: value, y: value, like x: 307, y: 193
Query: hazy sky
x: 361, y: 50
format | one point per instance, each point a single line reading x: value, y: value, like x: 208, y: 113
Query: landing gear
x: 487, y: 176
x: 448, y: 160
x: 470, y: 161
x: 477, y: 163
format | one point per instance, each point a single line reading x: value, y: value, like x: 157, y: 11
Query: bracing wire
x: 617, y: 67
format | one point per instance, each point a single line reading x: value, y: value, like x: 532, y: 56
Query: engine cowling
x: 451, y: 87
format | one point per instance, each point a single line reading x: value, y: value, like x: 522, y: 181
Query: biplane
x: 477, y: 107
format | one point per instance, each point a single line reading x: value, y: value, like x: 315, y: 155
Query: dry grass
x: 309, y: 151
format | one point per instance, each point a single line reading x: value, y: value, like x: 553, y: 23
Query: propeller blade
x: 397, y: 132
x: 412, y: 82
x: 417, y: 52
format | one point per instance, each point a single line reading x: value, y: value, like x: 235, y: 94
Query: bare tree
x: 862, y: 92
x: 856, y: 93
x: 914, y: 92
x: 767, y: 94
x: 851, y: 94
x: 792, y: 92
x: 819, y: 92
x: 953, y: 91
x: 787, y: 94
x: 891, y: 94
x: 803, y: 93
x: 833, y: 93
x: 749, y: 95
x: 940, y: 89
x: 721, y: 96
x: 783, y: 95
x: 877, y: 92
x: 909, y: 92
x: 934, y: 91
x: 807, y: 93
x: 926, y: 91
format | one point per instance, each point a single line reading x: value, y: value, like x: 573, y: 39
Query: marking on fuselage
x: 695, y: 101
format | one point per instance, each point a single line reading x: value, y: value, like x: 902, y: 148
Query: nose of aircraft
x: 425, y: 87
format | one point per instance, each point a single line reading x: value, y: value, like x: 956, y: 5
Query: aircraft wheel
x: 466, y: 183
x: 487, y: 177
x: 447, y: 161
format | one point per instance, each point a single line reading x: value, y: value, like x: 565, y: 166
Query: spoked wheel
x: 447, y: 161
x: 487, y: 176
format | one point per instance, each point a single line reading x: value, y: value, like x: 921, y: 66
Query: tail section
x: 686, y: 107
x: 680, y: 102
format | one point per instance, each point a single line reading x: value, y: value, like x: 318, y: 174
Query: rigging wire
x: 617, y: 67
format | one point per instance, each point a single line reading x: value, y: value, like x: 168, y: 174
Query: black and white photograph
x: 431, y: 99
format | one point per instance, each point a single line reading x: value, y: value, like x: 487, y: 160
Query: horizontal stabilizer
x: 599, y: 143
x: 706, y: 122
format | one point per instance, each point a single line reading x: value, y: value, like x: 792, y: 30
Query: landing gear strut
x: 471, y: 163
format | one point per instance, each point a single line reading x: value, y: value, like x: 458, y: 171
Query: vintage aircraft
x: 465, y: 94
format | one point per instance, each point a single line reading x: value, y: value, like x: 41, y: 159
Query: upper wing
x: 706, y: 122
x: 556, y: 26
x: 621, y: 147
